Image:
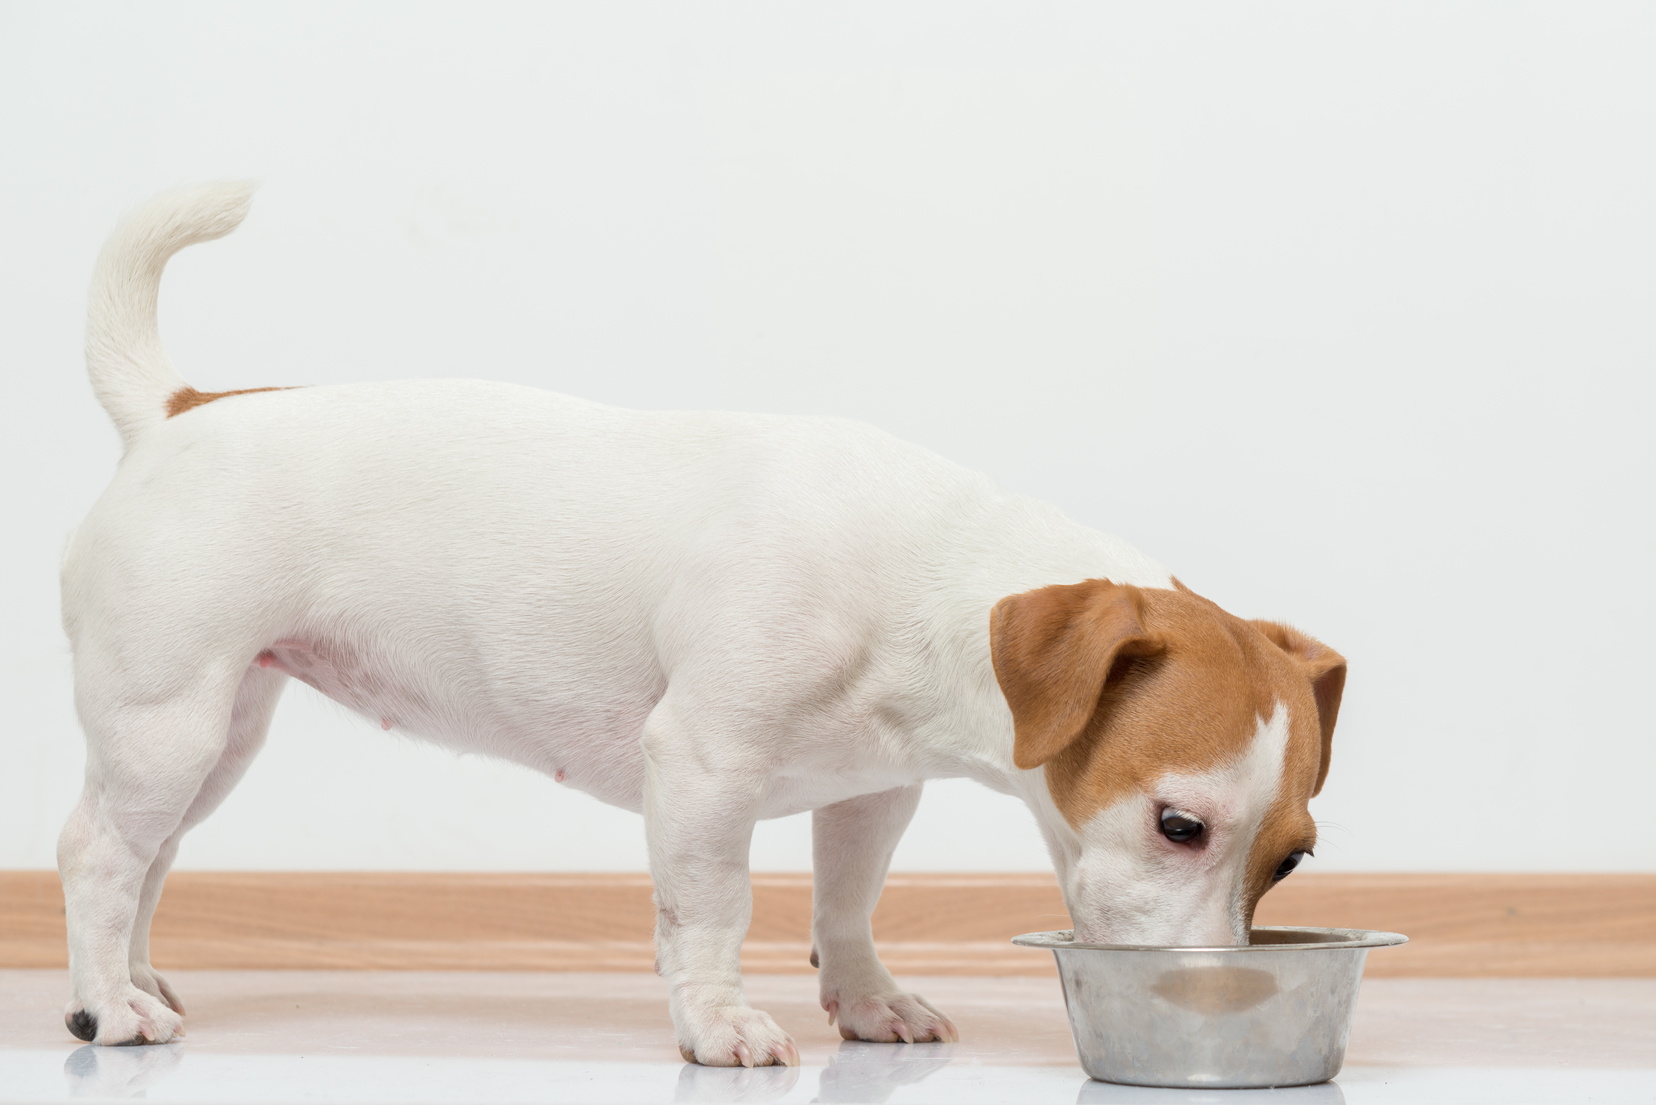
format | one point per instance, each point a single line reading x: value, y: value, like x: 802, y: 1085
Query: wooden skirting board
x: 1459, y: 924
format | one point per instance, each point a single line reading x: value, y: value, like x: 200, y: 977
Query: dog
x: 707, y: 618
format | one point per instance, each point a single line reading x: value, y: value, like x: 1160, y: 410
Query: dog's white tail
x: 130, y: 372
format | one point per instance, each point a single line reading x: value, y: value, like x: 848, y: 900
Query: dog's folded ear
x: 1327, y: 671
x: 1055, y: 650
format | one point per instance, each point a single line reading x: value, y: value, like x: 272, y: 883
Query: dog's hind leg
x: 249, y: 722
x: 852, y: 842
x: 156, y: 730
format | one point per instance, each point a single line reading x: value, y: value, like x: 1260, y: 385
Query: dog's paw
x: 888, y: 1018
x: 145, y: 978
x: 735, y: 1036
x: 133, y: 1018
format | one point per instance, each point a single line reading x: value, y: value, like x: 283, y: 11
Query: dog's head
x: 1180, y: 746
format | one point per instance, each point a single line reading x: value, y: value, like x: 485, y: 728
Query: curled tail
x: 130, y: 372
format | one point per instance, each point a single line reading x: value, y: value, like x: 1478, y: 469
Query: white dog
x: 708, y: 618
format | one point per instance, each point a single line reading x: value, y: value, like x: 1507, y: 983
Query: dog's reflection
x: 747, y: 1085
x: 1108, y: 1093
x: 93, y: 1071
x: 865, y: 1072
x: 857, y: 1072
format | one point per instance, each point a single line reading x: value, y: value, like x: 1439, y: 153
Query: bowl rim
x: 1333, y: 939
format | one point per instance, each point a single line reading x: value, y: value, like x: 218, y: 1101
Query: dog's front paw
x: 734, y: 1035
x: 135, y: 1017
x: 889, y: 1017
x: 145, y: 978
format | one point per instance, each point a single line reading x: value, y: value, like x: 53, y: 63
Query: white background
x: 1344, y: 311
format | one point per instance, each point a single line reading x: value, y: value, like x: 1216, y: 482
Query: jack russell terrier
x: 707, y: 618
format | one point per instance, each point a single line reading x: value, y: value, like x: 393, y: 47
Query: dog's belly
x: 591, y: 743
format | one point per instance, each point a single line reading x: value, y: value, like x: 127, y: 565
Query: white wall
x: 1341, y: 310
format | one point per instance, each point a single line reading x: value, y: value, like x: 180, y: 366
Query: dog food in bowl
x: 1273, y: 1012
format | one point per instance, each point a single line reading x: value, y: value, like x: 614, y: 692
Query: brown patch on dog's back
x: 188, y: 398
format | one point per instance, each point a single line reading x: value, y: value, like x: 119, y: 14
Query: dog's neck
x: 968, y: 731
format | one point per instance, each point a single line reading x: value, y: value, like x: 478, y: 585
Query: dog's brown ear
x: 1327, y: 672
x: 1054, y: 650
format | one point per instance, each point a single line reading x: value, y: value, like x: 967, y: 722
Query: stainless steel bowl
x: 1274, y: 1012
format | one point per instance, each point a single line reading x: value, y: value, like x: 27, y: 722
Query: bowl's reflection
x: 93, y: 1071
x: 1215, y: 989
x: 1100, y: 1093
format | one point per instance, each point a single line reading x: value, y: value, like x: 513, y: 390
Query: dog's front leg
x: 852, y: 843
x: 698, y: 819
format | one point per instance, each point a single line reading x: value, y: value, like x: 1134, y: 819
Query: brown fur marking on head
x: 1327, y: 672
x: 1054, y: 652
x: 1287, y: 826
x: 188, y: 398
x: 1112, y: 685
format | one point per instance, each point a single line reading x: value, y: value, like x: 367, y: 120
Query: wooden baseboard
x: 1460, y: 925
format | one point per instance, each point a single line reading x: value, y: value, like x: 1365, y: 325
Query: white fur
x: 1130, y: 885
x: 709, y: 618
x: 123, y: 346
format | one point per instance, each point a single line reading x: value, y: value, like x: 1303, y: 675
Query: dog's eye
x: 1180, y: 827
x: 1287, y: 867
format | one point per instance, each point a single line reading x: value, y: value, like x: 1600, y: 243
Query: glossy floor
x: 322, y: 1036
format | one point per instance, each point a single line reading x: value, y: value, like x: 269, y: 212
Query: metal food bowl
x: 1273, y: 1012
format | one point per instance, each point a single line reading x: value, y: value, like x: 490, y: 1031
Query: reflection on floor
x: 258, y: 1036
